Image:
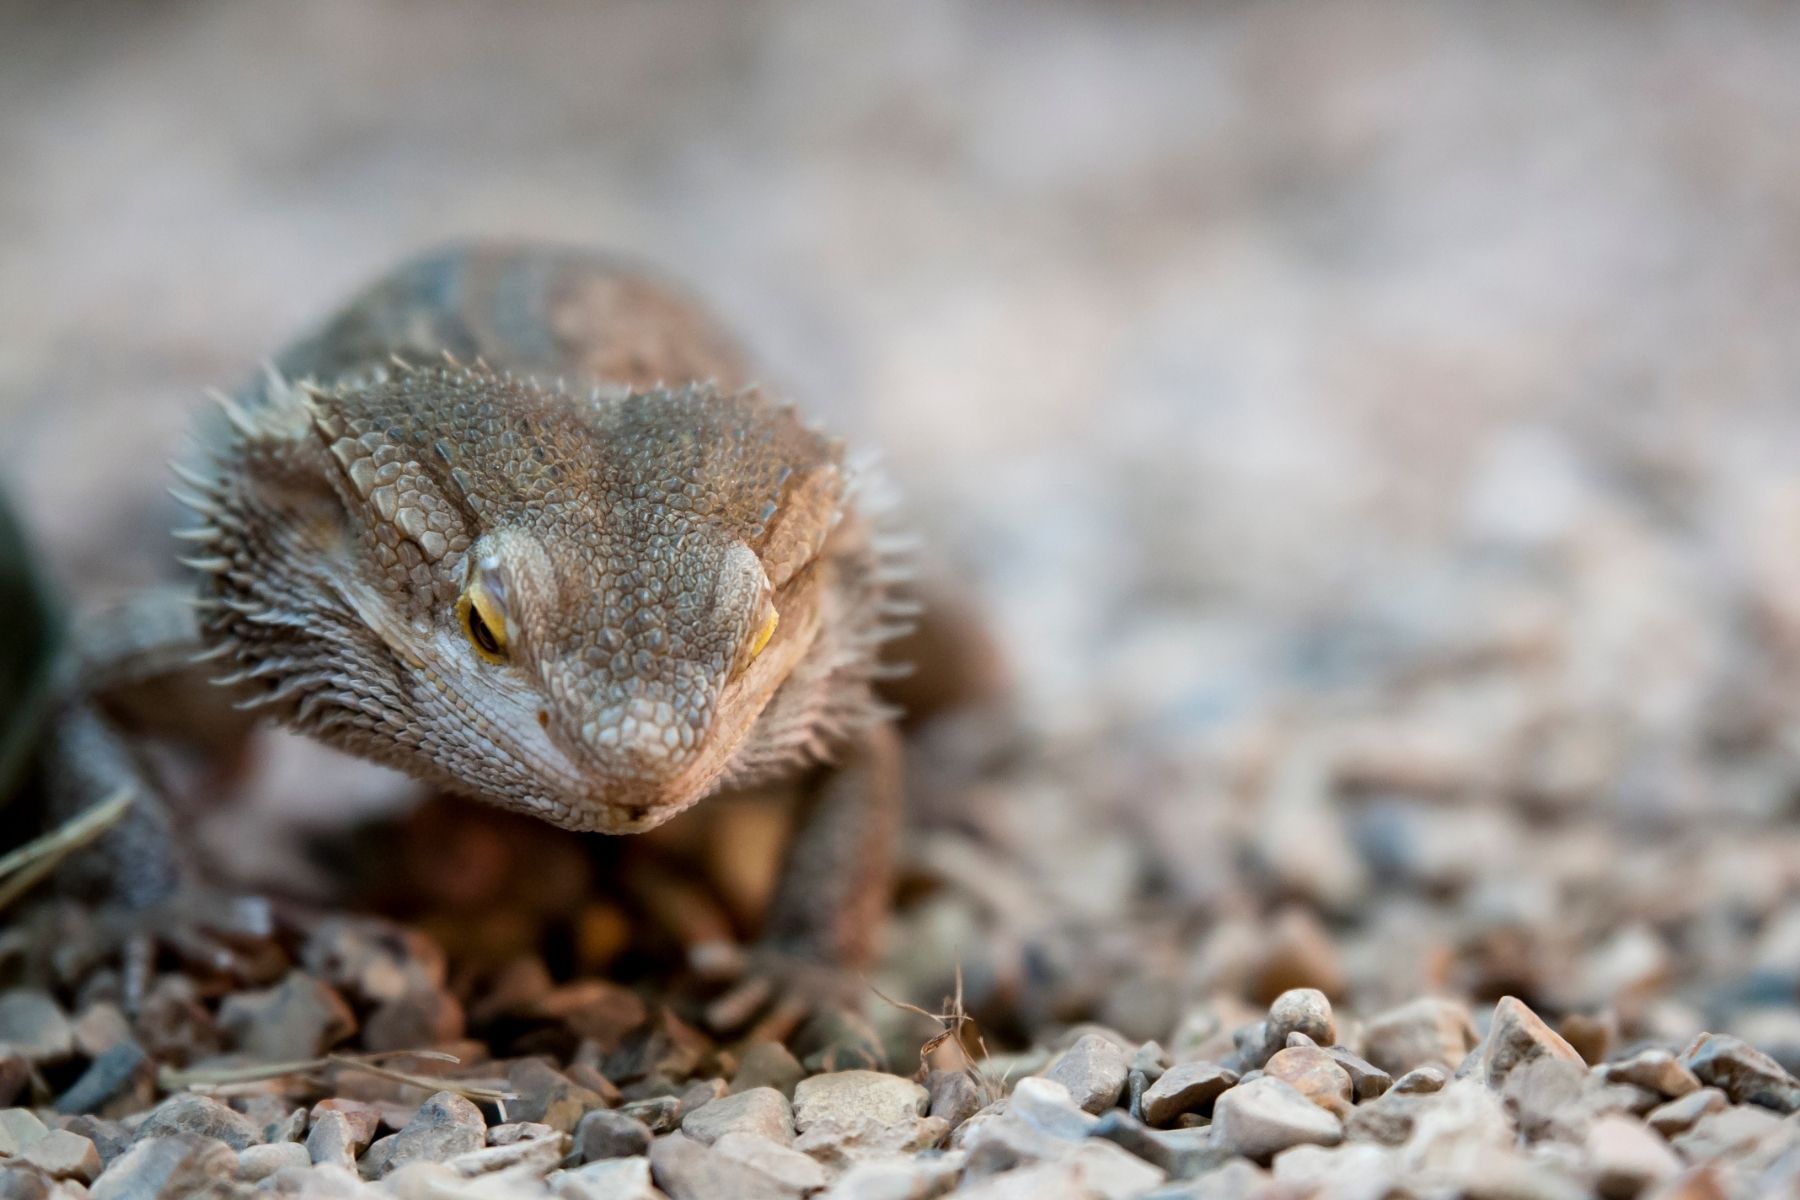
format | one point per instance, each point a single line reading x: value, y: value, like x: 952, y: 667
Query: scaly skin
x: 677, y: 585
x: 632, y: 549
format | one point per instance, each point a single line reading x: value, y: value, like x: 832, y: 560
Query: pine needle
x: 171, y: 1080
x: 25, y: 867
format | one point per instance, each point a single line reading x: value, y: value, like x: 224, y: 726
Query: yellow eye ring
x: 764, y: 632
x: 483, y: 622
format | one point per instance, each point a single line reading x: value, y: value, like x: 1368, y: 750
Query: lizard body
x: 509, y: 522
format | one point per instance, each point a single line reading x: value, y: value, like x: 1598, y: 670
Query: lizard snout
x: 638, y: 746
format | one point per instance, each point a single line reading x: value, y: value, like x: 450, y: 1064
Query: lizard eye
x: 482, y: 618
x: 765, y: 629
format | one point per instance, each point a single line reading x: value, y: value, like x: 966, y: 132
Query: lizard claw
x: 207, y: 931
x: 814, y: 1007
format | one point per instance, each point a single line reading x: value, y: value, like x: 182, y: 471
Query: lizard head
x: 582, y: 607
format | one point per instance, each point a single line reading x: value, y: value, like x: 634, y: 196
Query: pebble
x: 660, y: 1113
x: 514, y: 1132
x: 762, y: 1112
x: 1330, y: 1170
x: 445, y: 1126
x: 1420, y: 1080
x: 596, y: 1010
x: 335, y: 1138
x: 1388, y: 1119
x: 1046, y: 1106
x: 1295, y: 951
x: 15, y: 1075
x: 19, y: 1182
x: 1367, y: 1080
x: 1107, y: 1169
x: 547, y: 1096
x: 189, y: 1112
x: 175, y: 1024
x: 1626, y: 1157
x: 19, y: 1128
x: 1314, y: 1074
x: 1591, y: 1034
x: 1039, y: 1121
x: 768, y: 1064
x: 1733, y: 1132
x: 1424, y: 1032
x: 1305, y: 1011
x: 1096, y: 1170
x: 100, y: 1027
x: 689, y: 1170
x: 64, y: 1155
x: 315, y: 1183
x: 34, y: 1027
x: 417, y: 1019
x: 373, y: 959
x: 177, y: 1167
x: 1180, y: 1153
x: 782, y: 1163
x: 1678, y: 1116
x: 109, y: 1137
x: 256, y: 1163
x: 702, y: 1092
x: 850, y: 1115
x: 1237, y: 1179
x: 605, y: 1134
x: 1093, y: 1070
x: 121, y: 1071
x: 362, y: 1119
x: 1260, y: 1118
x: 288, y: 1127
x: 1452, y: 1127
x: 1518, y: 1036
x: 607, y: 1179
x: 1742, y: 1072
x: 298, y: 1018
x: 1190, y: 1087
x: 1654, y: 1070
x: 953, y: 1096
x: 538, y: 1154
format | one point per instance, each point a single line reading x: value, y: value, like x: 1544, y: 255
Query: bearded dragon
x: 513, y: 522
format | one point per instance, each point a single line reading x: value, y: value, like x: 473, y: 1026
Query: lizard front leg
x: 837, y: 877
x: 140, y: 868
x: 825, y: 919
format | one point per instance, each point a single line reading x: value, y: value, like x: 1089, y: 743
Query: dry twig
x: 951, y: 1023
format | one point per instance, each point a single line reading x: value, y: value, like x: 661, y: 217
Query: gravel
x: 1396, y: 577
x: 1093, y: 1070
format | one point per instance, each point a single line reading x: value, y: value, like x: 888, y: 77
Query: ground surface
x: 1371, y: 431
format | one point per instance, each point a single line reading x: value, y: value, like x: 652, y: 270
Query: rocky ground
x: 1369, y: 432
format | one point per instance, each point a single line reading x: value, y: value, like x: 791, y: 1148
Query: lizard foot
x: 814, y: 1007
x: 206, y: 930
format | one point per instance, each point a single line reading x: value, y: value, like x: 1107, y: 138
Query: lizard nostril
x: 543, y: 718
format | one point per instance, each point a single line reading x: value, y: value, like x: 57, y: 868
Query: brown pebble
x: 1592, y: 1034
x: 1185, y: 1088
x: 64, y: 1155
x: 419, y: 1019
x: 1314, y: 1074
x: 768, y: 1064
x: 547, y: 1096
x: 954, y: 1096
x: 299, y: 1018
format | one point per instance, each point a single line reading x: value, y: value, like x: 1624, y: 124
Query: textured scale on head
x: 596, y: 608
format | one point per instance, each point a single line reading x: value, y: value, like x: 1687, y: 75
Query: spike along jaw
x: 573, y: 608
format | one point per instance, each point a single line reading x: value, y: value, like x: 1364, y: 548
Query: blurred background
x: 1370, y: 429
